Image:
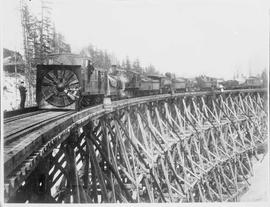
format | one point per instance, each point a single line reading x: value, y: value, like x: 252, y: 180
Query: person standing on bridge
x: 23, y: 91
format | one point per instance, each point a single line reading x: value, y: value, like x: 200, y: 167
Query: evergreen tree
x: 136, y: 66
x: 107, y: 60
x: 40, y: 39
x: 102, y: 59
x: 151, y: 70
x: 99, y: 57
x: 123, y: 64
x: 127, y: 65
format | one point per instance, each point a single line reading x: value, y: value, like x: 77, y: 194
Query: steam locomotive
x: 70, y: 81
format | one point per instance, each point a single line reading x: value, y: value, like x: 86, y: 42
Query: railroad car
x: 148, y: 86
x: 230, y: 84
x: 68, y: 80
x: 140, y: 85
x: 191, y: 85
x: 168, y: 84
x: 253, y: 82
x: 179, y: 85
x: 165, y: 83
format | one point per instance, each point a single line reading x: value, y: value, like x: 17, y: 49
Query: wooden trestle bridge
x: 188, y: 147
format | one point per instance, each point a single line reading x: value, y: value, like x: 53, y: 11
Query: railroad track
x: 23, y: 137
x: 8, y: 114
x: 21, y: 116
x: 19, y: 126
x: 28, y: 114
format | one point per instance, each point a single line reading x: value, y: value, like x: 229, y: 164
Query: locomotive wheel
x: 60, y: 87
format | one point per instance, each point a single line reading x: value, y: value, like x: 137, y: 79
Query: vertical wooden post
x: 72, y: 171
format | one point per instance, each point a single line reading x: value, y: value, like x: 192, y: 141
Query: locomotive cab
x: 93, y: 81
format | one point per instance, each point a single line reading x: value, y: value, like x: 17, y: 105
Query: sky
x: 186, y: 37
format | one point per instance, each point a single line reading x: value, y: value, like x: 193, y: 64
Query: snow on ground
x: 259, y: 189
x: 11, y: 93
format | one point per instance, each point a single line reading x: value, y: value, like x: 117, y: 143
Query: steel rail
x: 21, y: 116
x: 9, y: 114
x: 14, y: 135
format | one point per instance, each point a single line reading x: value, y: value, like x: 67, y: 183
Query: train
x: 250, y: 83
x: 70, y: 81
